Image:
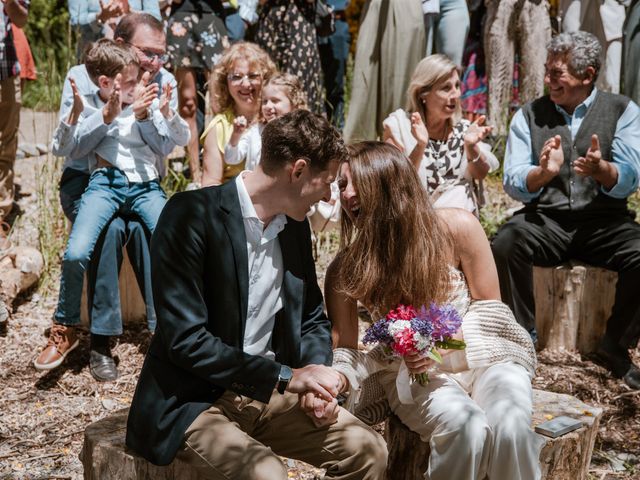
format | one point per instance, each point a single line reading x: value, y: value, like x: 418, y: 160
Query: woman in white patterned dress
x: 395, y: 248
x: 448, y: 152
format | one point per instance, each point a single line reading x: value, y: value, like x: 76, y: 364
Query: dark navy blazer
x: 200, y: 284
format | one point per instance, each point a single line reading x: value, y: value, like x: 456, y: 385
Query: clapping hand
x: 78, y: 104
x: 109, y: 10
x: 240, y: 124
x: 477, y: 132
x: 113, y: 107
x: 590, y: 164
x: 165, y: 101
x: 144, y: 96
x: 419, y: 130
x: 552, y: 156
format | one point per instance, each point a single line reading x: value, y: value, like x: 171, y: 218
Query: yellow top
x: 223, y: 125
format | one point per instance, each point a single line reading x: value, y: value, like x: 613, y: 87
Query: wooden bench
x: 573, y: 303
x: 563, y: 458
x: 105, y: 457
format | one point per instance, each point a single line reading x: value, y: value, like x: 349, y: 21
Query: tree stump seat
x: 562, y: 458
x: 132, y: 303
x: 573, y: 302
x: 104, y: 455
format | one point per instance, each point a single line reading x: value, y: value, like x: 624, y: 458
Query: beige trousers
x: 10, y: 101
x: 239, y: 438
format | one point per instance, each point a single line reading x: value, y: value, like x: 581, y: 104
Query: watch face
x: 286, y: 373
x: 283, y: 379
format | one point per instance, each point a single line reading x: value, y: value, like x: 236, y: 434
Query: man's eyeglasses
x: 236, y: 79
x: 153, y: 56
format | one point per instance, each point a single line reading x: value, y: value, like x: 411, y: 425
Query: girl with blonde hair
x: 237, y: 88
x: 281, y: 94
x: 475, y: 411
x: 447, y: 151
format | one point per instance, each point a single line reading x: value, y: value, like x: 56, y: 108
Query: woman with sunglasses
x: 237, y: 86
x: 448, y: 152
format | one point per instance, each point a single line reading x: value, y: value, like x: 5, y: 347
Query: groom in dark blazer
x: 237, y: 372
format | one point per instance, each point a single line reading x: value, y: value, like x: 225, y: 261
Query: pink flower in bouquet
x: 402, y: 313
x: 404, y: 343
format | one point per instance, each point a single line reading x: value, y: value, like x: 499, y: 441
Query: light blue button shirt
x: 83, y: 15
x: 248, y: 11
x: 625, y: 151
x: 92, y: 129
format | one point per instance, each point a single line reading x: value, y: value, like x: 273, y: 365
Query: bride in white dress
x: 475, y: 412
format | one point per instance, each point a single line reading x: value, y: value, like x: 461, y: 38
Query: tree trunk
x: 131, y: 300
x: 562, y: 458
x: 408, y: 454
x: 105, y: 457
x: 573, y: 303
x: 20, y: 269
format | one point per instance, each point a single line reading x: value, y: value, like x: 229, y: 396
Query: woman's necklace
x: 435, y: 145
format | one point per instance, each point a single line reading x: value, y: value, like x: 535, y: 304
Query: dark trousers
x: 334, y: 51
x: 610, y: 241
x: 103, y: 293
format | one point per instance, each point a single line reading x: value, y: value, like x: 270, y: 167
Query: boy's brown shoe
x: 62, y: 339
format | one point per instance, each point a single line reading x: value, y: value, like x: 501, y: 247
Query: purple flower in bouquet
x: 444, y: 320
x: 378, y: 333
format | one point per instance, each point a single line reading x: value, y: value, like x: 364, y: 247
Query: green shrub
x: 53, y: 45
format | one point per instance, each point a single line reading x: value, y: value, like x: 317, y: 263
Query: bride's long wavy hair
x: 398, y: 251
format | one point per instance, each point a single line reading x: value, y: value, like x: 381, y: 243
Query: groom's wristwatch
x: 284, y: 378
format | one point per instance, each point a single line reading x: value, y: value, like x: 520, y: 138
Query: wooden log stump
x: 104, y: 455
x: 408, y: 454
x: 573, y: 303
x: 567, y: 456
x: 20, y: 269
x: 562, y: 458
x: 132, y: 303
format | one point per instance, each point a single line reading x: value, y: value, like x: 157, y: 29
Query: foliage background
x: 53, y: 44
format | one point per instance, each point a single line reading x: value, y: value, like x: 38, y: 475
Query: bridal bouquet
x: 405, y: 331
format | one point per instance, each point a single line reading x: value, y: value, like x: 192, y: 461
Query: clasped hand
x: 317, y: 387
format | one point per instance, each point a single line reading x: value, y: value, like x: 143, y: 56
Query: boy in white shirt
x: 125, y: 180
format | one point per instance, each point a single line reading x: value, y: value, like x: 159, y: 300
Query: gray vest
x: 570, y: 192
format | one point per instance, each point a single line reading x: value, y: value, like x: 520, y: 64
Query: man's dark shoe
x: 102, y: 366
x: 632, y: 377
x: 617, y: 359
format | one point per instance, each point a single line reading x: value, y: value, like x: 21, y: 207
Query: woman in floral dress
x: 196, y: 37
x: 287, y: 32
